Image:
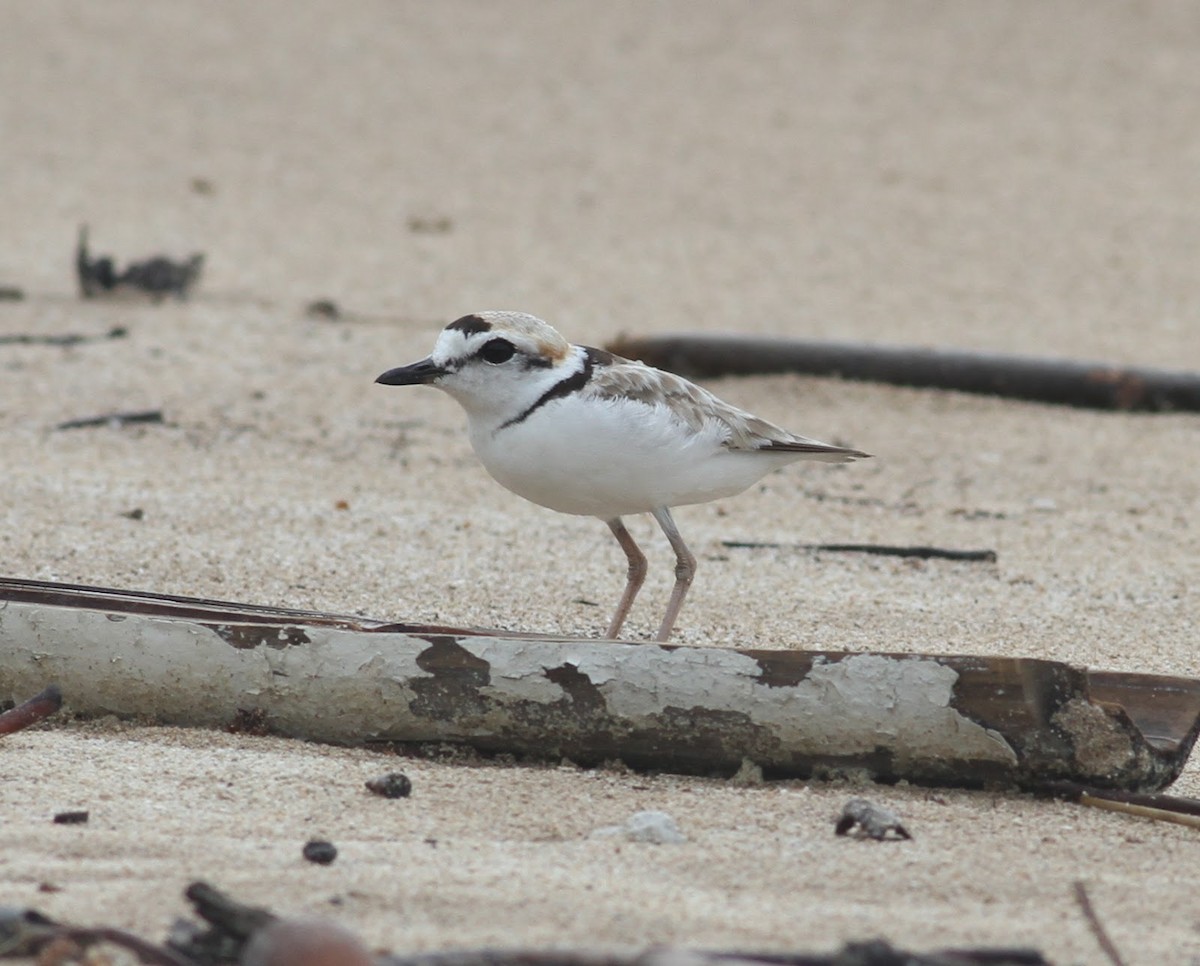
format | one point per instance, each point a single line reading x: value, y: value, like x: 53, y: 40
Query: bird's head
x: 490, y: 362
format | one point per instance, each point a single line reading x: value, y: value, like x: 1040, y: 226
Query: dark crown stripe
x: 470, y: 325
x: 564, y: 387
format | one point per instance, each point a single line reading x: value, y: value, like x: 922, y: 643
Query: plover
x: 582, y: 431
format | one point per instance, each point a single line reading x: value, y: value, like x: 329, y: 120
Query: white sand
x: 1001, y: 176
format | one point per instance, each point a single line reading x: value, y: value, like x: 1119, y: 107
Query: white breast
x: 612, y: 457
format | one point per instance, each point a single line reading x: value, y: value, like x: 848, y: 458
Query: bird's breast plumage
x: 606, y: 456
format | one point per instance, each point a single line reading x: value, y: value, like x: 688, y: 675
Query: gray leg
x: 637, y: 574
x: 685, y: 569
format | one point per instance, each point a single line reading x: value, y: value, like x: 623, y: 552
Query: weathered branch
x: 929, y: 718
x: 1094, y: 385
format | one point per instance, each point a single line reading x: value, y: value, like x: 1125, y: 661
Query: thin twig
x: 1142, y: 811
x: 61, y: 339
x: 1098, y: 930
x: 114, y: 419
x: 880, y: 550
x: 1152, y: 805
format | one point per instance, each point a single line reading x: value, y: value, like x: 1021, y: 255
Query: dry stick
x: 1153, y: 805
x: 1142, y: 811
x: 32, y: 711
x: 115, y: 419
x: 1098, y: 930
x: 1096, y: 385
x: 924, y: 553
x: 64, y: 339
x: 881, y: 550
x: 1161, y: 808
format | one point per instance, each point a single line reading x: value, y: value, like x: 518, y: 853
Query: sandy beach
x: 998, y: 176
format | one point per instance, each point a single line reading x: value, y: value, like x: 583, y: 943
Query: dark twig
x: 875, y: 952
x: 1096, y: 385
x: 1089, y: 913
x: 114, y: 419
x: 231, y: 924
x: 62, y: 339
x: 230, y: 916
x: 32, y: 711
x: 25, y: 932
x: 881, y: 550
x: 157, y: 276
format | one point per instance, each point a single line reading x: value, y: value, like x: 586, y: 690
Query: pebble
x: 656, y: 828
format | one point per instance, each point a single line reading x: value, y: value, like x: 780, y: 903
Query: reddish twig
x: 32, y: 711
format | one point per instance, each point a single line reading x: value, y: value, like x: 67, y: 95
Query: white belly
x: 609, y: 459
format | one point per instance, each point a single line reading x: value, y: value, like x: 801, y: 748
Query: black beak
x: 415, y: 375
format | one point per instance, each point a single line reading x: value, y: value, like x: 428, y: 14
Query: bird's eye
x: 497, y: 351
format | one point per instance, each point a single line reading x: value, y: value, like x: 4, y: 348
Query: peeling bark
x: 933, y: 719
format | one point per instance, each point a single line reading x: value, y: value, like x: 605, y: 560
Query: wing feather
x: 697, y: 408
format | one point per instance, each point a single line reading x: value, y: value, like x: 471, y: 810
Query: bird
x: 582, y: 431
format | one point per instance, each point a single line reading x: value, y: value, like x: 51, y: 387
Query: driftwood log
x: 933, y: 719
x: 1095, y: 385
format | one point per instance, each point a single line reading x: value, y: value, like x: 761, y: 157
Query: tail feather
x: 816, y: 450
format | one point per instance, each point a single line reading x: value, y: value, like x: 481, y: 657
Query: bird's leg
x: 637, y: 574
x: 685, y: 570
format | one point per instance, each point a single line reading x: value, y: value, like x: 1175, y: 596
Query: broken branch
x: 32, y: 711
x: 939, y: 719
x: 1094, y: 385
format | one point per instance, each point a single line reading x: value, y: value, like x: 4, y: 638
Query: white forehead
x: 528, y: 333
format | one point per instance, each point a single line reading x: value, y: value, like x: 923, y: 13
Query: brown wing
x: 693, y: 406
